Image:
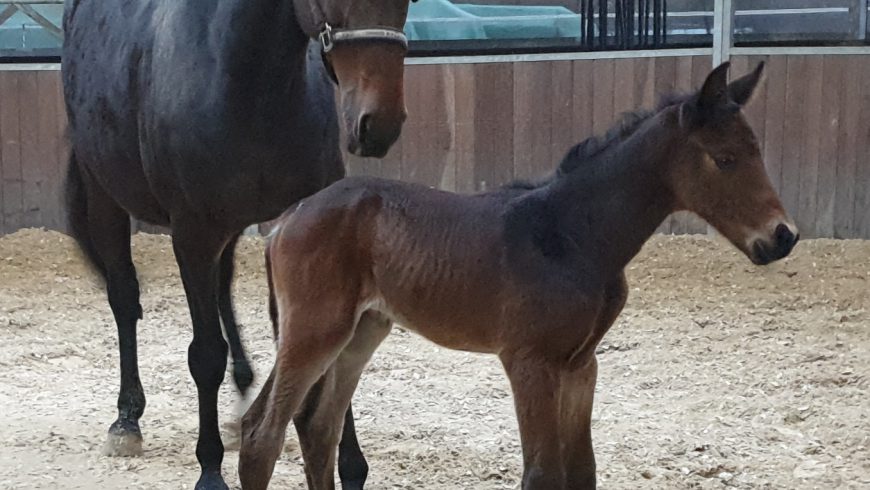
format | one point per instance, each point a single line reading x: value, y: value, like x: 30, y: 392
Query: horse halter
x: 330, y: 37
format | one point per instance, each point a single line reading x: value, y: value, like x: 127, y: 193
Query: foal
x: 530, y: 272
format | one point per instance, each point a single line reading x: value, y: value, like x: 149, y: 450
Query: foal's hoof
x: 123, y: 440
x: 211, y: 480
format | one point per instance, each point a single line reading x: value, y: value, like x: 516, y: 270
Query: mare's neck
x: 260, y: 46
x: 613, y: 204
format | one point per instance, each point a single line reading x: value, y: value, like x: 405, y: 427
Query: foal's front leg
x: 535, y: 384
x: 577, y: 390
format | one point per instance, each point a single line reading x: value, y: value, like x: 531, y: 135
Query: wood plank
x: 665, y: 84
x: 10, y: 146
x: 48, y: 139
x: 861, y: 218
x: 644, y: 83
x: 623, y: 87
x: 834, y: 70
x: 581, y: 104
x: 463, y: 126
x: 795, y: 95
x: 563, y: 135
x: 774, y: 119
x: 28, y: 95
x: 63, y: 145
x: 427, y: 136
x: 809, y: 157
x: 682, y: 221
x: 493, y: 125
x: 533, y: 107
x: 847, y: 148
x: 602, y: 95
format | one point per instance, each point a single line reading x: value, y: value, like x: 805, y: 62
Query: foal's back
x: 434, y: 261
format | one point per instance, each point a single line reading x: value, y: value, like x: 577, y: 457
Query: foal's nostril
x: 784, y: 236
x: 364, y: 128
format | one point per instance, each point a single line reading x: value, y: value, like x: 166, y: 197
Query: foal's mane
x: 585, y: 152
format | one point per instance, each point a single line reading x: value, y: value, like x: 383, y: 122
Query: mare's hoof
x: 211, y: 480
x: 123, y: 440
x: 352, y: 485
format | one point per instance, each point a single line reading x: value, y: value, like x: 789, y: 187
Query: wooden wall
x: 473, y: 127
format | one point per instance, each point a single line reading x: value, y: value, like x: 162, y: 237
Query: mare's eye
x: 725, y: 163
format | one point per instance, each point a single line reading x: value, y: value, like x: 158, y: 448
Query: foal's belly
x: 447, y: 324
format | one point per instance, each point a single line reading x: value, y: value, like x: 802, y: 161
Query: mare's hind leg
x: 327, y: 408
x: 109, y: 235
x: 310, y: 342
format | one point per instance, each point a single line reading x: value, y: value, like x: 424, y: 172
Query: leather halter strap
x: 329, y: 36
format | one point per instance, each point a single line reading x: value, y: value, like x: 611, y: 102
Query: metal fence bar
x: 863, y: 5
x: 723, y: 17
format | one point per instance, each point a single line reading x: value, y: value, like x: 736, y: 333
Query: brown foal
x: 532, y: 272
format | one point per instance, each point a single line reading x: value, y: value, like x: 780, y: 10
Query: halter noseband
x: 329, y: 37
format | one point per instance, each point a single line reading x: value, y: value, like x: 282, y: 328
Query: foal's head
x: 722, y: 176
x: 364, y: 50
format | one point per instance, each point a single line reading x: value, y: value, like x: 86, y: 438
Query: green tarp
x: 439, y: 20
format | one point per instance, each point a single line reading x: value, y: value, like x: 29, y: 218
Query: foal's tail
x: 273, y: 306
x: 76, y: 197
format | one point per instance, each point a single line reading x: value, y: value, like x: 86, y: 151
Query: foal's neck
x: 611, y: 206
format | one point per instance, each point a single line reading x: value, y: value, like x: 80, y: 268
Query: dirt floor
x: 717, y: 374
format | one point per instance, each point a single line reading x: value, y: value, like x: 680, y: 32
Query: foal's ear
x: 740, y: 91
x: 714, y: 92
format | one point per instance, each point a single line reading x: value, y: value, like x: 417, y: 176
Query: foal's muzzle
x: 781, y: 244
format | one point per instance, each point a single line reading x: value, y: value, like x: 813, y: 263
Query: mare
x: 533, y: 273
x: 208, y: 117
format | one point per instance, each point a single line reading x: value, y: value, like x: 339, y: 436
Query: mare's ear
x: 740, y: 91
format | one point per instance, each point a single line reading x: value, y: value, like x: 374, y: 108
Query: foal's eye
x: 725, y: 163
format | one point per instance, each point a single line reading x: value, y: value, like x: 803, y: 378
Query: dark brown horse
x: 532, y: 273
x: 207, y: 117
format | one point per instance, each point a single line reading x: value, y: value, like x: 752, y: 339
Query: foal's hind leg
x: 327, y: 408
x: 310, y: 342
x: 109, y: 235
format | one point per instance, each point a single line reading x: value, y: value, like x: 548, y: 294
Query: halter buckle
x: 326, y: 41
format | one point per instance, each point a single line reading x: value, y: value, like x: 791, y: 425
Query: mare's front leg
x: 198, y: 249
x: 535, y: 383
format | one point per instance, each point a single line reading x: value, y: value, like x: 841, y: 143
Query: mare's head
x: 721, y: 176
x: 364, y: 50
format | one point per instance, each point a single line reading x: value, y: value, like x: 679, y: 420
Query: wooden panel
x: 28, y: 95
x: 10, y: 149
x: 463, y: 120
x: 809, y: 162
x: 834, y: 69
x: 493, y: 125
x: 427, y: 135
x: 476, y: 126
x: 602, y: 95
x: 563, y: 135
x: 533, y: 107
x: 847, y: 148
x: 795, y: 96
x: 861, y: 217
x: 774, y: 120
x: 581, y: 119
